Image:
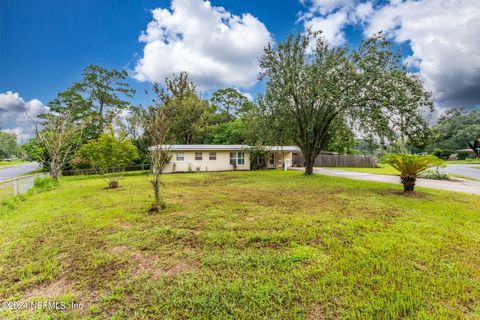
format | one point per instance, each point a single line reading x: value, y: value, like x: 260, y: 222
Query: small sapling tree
x: 157, y: 128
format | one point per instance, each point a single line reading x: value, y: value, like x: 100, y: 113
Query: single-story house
x: 471, y: 153
x: 208, y: 157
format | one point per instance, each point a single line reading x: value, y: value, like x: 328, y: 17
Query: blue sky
x: 45, y: 45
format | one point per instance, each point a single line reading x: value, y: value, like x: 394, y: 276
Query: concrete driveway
x: 466, y: 170
x: 18, y: 170
x: 461, y: 185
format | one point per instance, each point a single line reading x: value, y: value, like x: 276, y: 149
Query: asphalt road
x: 15, y: 171
x: 466, y: 170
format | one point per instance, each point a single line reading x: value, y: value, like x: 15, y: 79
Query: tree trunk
x: 475, y: 146
x: 54, y: 170
x: 101, y: 120
x: 53, y: 174
x: 113, y: 184
x: 408, y: 183
x: 309, y: 162
x: 156, y: 191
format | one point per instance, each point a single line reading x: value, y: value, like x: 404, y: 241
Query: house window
x: 272, y: 160
x: 180, y: 156
x: 212, y: 156
x: 198, y: 156
x: 237, y: 158
x: 240, y: 158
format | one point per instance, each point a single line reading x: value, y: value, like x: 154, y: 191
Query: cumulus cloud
x: 329, y: 16
x: 443, y: 36
x: 325, y: 7
x: 15, y: 112
x: 214, y: 46
x: 331, y: 26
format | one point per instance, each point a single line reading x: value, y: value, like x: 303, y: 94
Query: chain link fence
x: 78, y: 172
x: 16, y: 186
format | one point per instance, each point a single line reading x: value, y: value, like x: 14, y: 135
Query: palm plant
x: 410, y: 166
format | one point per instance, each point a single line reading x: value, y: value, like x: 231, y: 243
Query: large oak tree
x: 319, y: 88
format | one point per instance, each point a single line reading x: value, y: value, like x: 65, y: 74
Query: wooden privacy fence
x: 334, y: 160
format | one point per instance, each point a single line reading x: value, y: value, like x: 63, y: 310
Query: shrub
x: 109, y: 155
x: 462, y: 155
x: 410, y: 166
x: 442, y: 154
x: 44, y: 183
x: 434, y: 175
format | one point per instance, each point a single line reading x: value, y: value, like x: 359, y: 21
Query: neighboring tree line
x: 8, y: 146
x: 457, y: 129
x: 98, y: 105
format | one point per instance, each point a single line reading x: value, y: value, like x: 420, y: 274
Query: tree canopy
x: 59, y: 134
x: 188, y: 115
x: 317, y: 88
x: 103, y: 89
x: 108, y: 152
x: 458, y: 129
x: 8, y: 145
x: 230, y: 101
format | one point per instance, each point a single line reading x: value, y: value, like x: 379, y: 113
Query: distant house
x: 471, y: 154
x: 212, y: 157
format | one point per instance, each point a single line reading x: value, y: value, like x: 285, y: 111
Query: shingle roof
x: 226, y: 147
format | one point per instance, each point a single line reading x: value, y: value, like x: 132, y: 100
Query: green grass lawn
x: 243, y: 245
x: 11, y: 163
x: 466, y: 161
x: 6, y: 190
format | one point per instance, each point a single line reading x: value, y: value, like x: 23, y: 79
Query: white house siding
x: 222, y: 163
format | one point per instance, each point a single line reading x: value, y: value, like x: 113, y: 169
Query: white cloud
x: 248, y: 95
x: 363, y: 11
x: 325, y: 7
x: 330, y: 17
x: 443, y: 36
x: 331, y: 26
x: 214, y: 46
x: 15, y: 113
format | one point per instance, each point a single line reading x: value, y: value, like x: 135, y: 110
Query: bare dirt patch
x: 152, y: 265
x: 207, y: 181
x: 118, y: 249
x: 50, y: 290
x: 183, y: 267
x: 415, y: 194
